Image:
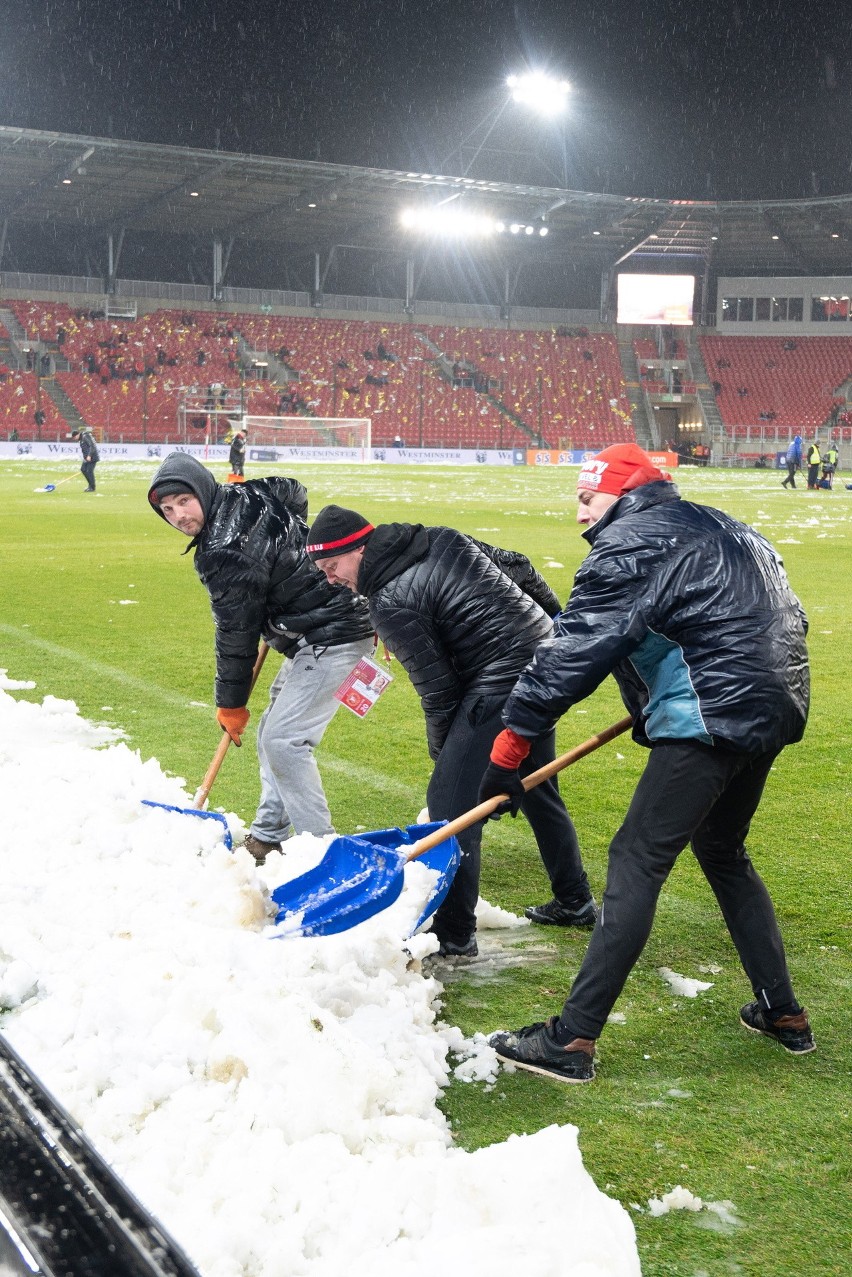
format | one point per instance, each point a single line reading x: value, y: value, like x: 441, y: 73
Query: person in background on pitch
x: 249, y: 542
x: 814, y: 460
x: 237, y: 455
x: 793, y: 462
x: 463, y: 618
x: 692, y: 613
x: 91, y: 456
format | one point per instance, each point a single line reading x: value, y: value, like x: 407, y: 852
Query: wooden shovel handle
x: 203, y: 791
x: 485, y: 809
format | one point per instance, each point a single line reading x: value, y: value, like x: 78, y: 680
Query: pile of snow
x: 272, y: 1101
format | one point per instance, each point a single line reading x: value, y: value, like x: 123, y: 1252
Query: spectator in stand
x: 60, y: 335
x: 398, y: 441
x: 793, y: 461
x: 814, y: 459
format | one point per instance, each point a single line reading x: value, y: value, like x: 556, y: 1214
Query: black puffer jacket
x: 251, y: 557
x: 693, y: 614
x: 449, y: 613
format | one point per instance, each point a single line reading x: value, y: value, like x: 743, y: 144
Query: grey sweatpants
x: 301, y: 706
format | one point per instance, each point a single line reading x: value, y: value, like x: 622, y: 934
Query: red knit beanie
x: 619, y: 469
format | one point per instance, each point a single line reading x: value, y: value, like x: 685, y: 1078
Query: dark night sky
x: 672, y: 97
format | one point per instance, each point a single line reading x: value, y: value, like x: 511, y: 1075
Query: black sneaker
x: 554, y: 914
x: 259, y: 849
x: 469, y: 949
x: 792, y: 1031
x: 535, y: 1049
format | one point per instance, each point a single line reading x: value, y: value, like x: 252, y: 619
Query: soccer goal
x: 351, y: 436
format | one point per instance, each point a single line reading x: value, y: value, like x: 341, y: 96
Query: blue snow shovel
x: 51, y: 487
x: 359, y: 876
x: 203, y: 792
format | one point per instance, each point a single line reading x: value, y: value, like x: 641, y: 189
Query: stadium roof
x: 90, y: 187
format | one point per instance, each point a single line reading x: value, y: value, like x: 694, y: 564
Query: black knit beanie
x: 168, y: 488
x: 337, y: 531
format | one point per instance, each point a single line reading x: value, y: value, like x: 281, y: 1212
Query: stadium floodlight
x: 538, y: 91
x: 446, y: 221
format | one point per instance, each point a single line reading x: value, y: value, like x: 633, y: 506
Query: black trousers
x: 813, y: 475
x: 453, y: 789
x: 688, y: 792
x: 88, y: 470
x: 791, y: 475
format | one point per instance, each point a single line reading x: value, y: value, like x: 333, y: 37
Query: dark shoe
x: 469, y: 949
x: 554, y: 914
x: 259, y: 849
x: 535, y: 1049
x: 792, y: 1031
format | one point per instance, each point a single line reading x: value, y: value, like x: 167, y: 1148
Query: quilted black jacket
x: 451, y: 615
x: 250, y: 554
x: 693, y: 614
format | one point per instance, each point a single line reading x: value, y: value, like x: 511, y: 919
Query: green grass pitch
x: 99, y: 606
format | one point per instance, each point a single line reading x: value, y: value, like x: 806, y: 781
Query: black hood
x: 391, y: 549
x: 180, y: 467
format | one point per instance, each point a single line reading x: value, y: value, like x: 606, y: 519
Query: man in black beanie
x: 464, y: 619
x: 249, y: 542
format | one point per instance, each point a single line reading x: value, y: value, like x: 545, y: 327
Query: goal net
x: 349, y: 436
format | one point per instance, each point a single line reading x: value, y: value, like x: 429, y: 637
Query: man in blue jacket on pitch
x: 692, y: 613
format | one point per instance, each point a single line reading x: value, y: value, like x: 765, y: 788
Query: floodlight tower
x: 546, y: 97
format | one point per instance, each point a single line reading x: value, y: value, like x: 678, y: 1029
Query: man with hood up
x: 793, y: 461
x: 249, y: 542
x: 692, y: 614
x: 464, y: 619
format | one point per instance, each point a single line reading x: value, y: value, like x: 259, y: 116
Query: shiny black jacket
x: 449, y: 609
x: 692, y: 613
x: 250, y: 554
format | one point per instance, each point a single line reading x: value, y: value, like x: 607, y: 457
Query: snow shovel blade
x: 358, y: 877
x: 192, y: 811
x: 48, y: 487
x: 203, y: 792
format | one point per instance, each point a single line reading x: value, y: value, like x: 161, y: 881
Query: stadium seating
x: 797, y: 381
x: 127, y: 377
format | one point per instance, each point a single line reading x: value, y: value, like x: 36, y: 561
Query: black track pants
x: 688, y: 793
x: 453, y: 789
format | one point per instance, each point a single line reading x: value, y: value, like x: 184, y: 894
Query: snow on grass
x: 682, y: 985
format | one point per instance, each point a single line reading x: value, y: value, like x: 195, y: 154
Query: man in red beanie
x: 691, y: 612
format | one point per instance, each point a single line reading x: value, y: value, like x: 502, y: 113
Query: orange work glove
x: 234, y: 722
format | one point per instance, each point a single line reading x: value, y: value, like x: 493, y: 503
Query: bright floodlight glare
x: 445, y: 221
x: 540, y: 92
x: 542, y: 230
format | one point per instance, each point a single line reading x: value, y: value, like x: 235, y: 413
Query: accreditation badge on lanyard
x: 360, y: 690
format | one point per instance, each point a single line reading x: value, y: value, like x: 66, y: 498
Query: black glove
x: 502, y: 780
